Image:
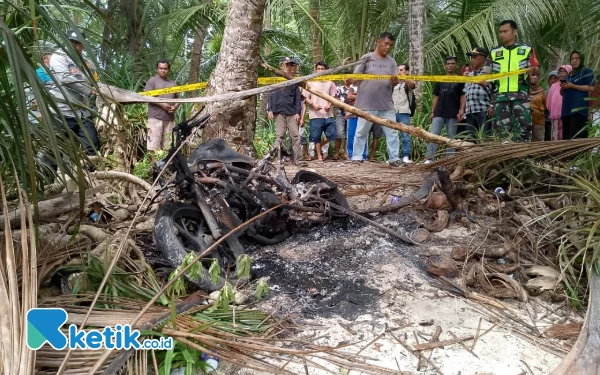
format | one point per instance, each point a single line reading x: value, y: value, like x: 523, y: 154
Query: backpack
x: 412, y: 101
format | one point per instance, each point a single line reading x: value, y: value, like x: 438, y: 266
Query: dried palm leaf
x: 15, y: 356
x: 486, y: 154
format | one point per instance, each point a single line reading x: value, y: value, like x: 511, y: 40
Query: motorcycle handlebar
x: 201, y: 121
x: 191, y: 119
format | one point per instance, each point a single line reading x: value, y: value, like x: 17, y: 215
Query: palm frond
x: 462, y: 26
x: 15, y: 356
x: 483, y: 155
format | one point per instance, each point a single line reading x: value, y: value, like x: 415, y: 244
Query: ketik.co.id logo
x: 43, y: 325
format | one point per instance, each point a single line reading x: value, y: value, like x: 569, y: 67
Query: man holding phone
x: 375, y: 97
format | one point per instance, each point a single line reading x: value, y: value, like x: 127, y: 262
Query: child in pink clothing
x: 554, y: 103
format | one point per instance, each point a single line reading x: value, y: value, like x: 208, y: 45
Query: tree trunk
x: 196, y: 57
x: 236, y: 70
x: 584, y: 357
x: 264, y: 99
x: 416, y: 16
x: 106, y: 42
x: 362, y: 48
x: 317, y: 42
x: 134, y: 11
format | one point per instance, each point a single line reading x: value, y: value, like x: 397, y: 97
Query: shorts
x: 341, y: 127
x: 377, y: 131
x: 319, y: 126
x: 159, y: 132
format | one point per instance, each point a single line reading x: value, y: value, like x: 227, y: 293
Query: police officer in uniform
x: 72, y: 90
x: 512, y: 93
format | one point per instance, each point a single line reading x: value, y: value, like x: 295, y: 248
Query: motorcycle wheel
x: 180, y: 228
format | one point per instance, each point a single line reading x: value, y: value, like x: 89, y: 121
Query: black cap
x: 287, y: 59
x: 477, y: 51
x: 72, y: 35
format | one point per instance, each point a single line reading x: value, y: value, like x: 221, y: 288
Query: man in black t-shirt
x: 446, y: 109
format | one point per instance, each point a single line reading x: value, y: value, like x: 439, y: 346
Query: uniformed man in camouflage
x: 511, y: 94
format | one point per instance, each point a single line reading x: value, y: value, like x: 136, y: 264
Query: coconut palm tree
x: 237, y: 69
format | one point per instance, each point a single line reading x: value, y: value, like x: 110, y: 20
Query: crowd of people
x: 515, y: 107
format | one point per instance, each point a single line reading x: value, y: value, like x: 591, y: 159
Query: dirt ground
x: 349, y: 283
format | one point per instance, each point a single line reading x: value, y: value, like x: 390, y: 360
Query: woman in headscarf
x: 465, y: 70
x: 576, y: 89
x: 554, y: 103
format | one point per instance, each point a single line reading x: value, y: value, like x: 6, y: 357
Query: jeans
x: 352, y: 124
x: 361, y: 138
x: 476, y: 123
x: 405, y: 119
x: 437, y: 125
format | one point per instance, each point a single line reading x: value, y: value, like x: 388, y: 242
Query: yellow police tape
x: 341, y: 77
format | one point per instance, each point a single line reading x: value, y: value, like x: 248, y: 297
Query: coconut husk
x: 420, y: 235
x: 437, y: 200
x: 442, y: 266
x: 495, y: 284
x: 439, y: 224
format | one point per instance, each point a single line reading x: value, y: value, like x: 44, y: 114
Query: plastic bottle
x: 499, y: 190
x: 211, y: 361
x: 94, y: 216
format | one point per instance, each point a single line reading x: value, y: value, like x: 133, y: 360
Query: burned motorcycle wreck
x: 217, y: 189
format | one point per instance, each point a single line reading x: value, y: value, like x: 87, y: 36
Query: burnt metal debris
x: 217, y: 189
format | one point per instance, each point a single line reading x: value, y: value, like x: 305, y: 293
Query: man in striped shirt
x: 476, y: 104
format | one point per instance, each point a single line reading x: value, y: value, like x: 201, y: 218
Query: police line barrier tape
x: 342, y: 77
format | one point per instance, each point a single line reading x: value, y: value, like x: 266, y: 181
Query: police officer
x: 512, y: 93
x: 72, y: 90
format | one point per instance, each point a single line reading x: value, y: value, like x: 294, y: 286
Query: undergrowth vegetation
x: 559, y: 208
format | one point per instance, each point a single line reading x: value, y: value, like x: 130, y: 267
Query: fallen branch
x: 416, y: 353
x: 112, y: 93
x: 441, y: 344
x: 583, y: 357
x: 463, y: 345
x: 123, y: 176
x: 434, y: 338
x: 400, y: 236
x: 405, y: 201
x: 54, y: 207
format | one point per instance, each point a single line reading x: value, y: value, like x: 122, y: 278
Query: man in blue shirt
x: 41, y: 72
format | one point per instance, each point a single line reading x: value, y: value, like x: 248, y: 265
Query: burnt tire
x: 333, y: 194
x: 173, y: 219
